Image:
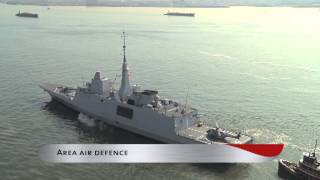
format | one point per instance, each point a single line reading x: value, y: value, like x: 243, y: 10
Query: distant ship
x: 140, y: 111
x: 179, y: 14
x: 307, y: 168
x: 26, y: 14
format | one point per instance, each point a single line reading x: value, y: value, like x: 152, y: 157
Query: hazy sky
x: 173, y: 2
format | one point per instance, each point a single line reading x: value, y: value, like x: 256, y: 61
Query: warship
x: 139, y: 111
x: 307, y: 168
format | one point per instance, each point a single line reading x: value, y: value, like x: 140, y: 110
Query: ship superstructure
x: 140, y: 111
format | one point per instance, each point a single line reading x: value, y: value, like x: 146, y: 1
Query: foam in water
x: 86, y: 120
x: 215, y: 55
x: 273, y: 137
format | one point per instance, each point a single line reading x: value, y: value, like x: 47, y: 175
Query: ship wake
x: 90, y: 122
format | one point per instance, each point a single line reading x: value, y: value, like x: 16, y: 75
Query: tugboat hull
x: 287, y: 170
x: 290, y: 170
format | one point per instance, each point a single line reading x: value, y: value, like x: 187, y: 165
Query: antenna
x: 125, y: 89
x: 187, y: 97
x: 315, y: 147
x: 124, y: 46
x: 114, y: 82
x: 83, y: 81
x: 218, y: 129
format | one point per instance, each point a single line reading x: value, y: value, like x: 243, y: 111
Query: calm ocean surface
x: 248, y: 68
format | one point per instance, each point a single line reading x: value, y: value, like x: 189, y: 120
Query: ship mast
x: 124, y: 90
x: 315, y: 147
x: 124, y: 47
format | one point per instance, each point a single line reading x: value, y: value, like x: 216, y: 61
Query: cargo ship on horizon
x: 28, y: 15
x: 179, y: 14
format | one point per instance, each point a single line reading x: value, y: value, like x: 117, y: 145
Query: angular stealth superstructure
x: 140, y: 111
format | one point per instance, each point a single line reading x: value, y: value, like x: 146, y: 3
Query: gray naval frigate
x: 140, y: 111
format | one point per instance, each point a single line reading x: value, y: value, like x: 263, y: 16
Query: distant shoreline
x: 160, y: 6
x: 106, y: 5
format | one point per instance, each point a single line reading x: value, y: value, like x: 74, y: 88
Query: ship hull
x: 180, y: 14
x: 121, y: 126
x: 285, y: 171
x: 174, y: 139
x: 143, y: 121
x: 27, y: 15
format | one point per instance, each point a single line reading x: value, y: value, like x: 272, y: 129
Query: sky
x: 174, y: 2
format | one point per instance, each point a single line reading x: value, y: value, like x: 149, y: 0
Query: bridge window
x: 130, y: 101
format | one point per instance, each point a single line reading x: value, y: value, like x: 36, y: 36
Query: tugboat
x: 308, y: 168
x: 26, y: 14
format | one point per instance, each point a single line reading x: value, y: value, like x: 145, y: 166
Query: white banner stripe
x: 148, y: 153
